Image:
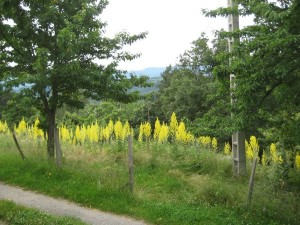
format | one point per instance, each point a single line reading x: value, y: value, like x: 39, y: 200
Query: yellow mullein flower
x: 181, y: 133
x: 173, y: 125
x: 227, y: 149
x: 22, y: 127
x: 163, y: 134
x: 118, y: 130
x: 4, y: 127
x: 249, y: 150
x: 141, y: 133
x: 214, y: 143
x: 157, y: 128
x: 297, y: 161
x: 254, y: 145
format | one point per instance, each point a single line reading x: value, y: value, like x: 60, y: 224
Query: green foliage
x: 134, y: 113
x: 266, y: 67
x: 191, y: 90
x: 185, y: 88
x: 52, y: 47
x: 19, y: 215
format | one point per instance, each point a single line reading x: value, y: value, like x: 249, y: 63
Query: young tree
x: 52, y: 47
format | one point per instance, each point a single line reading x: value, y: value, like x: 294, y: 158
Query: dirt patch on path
x: 62, y: 207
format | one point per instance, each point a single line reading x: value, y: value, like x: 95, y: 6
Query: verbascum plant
x: 141, y: 133
x: 157, y: 128
x: 297, y: 162
x: 22, y: 127
x: 106, y: 133
x: 163, y: 134
x: 173, y: 126
x: 214, y: 143
x: 93, y: 132
x: 147, y: 131
x: 118, y: 130
x: 205, y: 141
x: 275, y: 157
x: 126, y: 131
x: 254, y: 146
x: 227, y: 149
x: 64, y: 134
x: 36, y: 132
x: 110, y: 128
x: 249, y: 151
x: 4, y: 127
x: 181, y: 133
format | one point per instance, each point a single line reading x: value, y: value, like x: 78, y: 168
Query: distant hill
x: 147, y: 90
x: 150, y: 71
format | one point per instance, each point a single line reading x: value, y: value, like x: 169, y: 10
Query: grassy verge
x: 18, y: 215
x: 173, y: 184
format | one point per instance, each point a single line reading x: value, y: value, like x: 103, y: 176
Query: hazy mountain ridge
x: 150, y: 71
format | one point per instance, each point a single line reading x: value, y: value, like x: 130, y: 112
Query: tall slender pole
x: 238, y: 137
x: 130, y: 163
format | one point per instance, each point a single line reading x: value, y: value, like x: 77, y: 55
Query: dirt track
x: 62, y: 207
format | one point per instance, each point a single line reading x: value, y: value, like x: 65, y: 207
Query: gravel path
x: 62, y: 207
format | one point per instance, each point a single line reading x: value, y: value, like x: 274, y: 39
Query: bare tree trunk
x: 50, y: 132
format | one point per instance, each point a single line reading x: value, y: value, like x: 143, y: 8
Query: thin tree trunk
x: 50, y: 132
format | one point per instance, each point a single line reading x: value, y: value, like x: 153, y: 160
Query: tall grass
x: 174, y: 184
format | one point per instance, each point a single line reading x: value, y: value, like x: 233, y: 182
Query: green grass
x: 18, y: 215
x: 173, y: 184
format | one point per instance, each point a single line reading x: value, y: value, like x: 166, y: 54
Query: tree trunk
x: 50, y: 132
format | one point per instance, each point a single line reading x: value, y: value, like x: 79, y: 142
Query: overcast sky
x: 171, y: 25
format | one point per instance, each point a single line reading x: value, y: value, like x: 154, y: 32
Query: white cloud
x: 172, y: 26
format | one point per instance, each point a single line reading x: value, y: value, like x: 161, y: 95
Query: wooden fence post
x: 57, y: 148
x: 18, y: 146
x: 130, y: 163
x: 251, y: 183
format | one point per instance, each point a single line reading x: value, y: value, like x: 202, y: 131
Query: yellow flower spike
x: 163, y: 134
x: 147, y: 130
x: 173, y: 125
x: 254, y: 145
x: 297, y: 161
x: 22, y: 127
x: 214, y: 143
x: 118, y: 130
x: 141, y: 133
x: 157, y: 128
x: 4, y: 127
x: 181, y: 133
x: 126, y: 131
x: 227, y: 149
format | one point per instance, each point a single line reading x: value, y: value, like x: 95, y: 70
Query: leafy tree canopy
x: 266, y: 63
x: 53, y: 46
x: 185, y: 88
